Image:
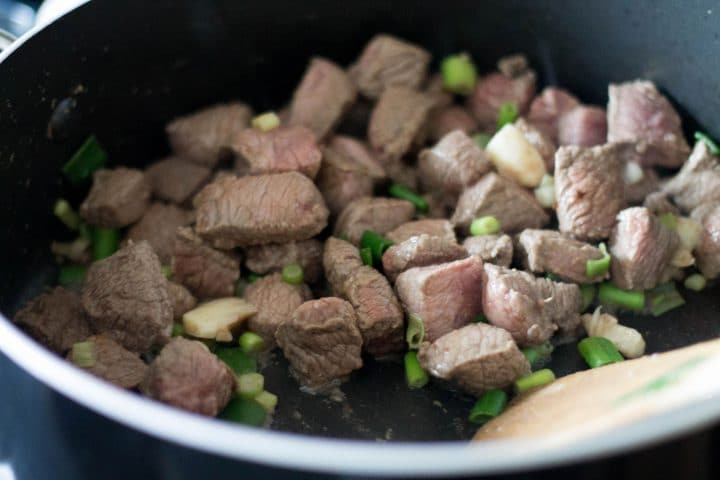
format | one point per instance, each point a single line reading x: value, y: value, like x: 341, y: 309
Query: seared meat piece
x: 340, y: 260
x: 158, y: 226
x: 548, y: 251
x: 638, y: 114
x: 273, y: 257
x: 433, y: 227
x: 325, y: 93
x: 636, y: 193
x: 530, y: 308
x: 445, y: 296
x: 275, y: 300
x: 496, y: 89
x: 388, y: 61
x: 707, y: 252
x: 117, y: 198
x: 206, y: 135
x: 262, y: 209
x: 125, y: 297
x: 435, y: 88
x: 420, y: 251
x: 372, y: 213
x: 181, y: 299
x: 547, y: 108
x: 186, y: 375
x: 589, y: 190
x: 543, y: 143
x: 641, y: 249
x: 448, y: 119
x: 497, y: 249
x: 584, y: 126
x: 55, y: 318
x: 398, y: 171
x: 206, y: 272
x: 658, y: 203
x: 115, y: 364
x: 698, y: 181
x: 477, y: 357
x: 512, y: 205
x: 175, y: 179
x: 513, y: 65
x: 282, y: 149
x: 453, y: 164
x: 322, y: 342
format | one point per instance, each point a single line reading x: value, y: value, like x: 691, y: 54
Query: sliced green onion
x: 588, y: 294
x: 480, y: 318
x: 72, y: 275
x: 250, y: 385
x: 401, y: 191
x: 89, y: 157
x: 366, y: 256
x: 376, y: 243
x: 293, y: 274
x: 267, y: 400
x: 458, y: 73
x: 598, y: 352
x: 253, y: 277
x: 669, y: 219
x: 488, y: 225
x: 489, y: 406
x: 415, y: 376
x: 251, y: 343
x: 83, y: 354
x: 552, y: 276
x: 178, y: 330
x: 664, y: 298
x: 266, y: 121
x: 238, y: 361
x: 167, y: 271
x: 65, y: 213
x: 609, y: 294
x: 534, y: 380
x: 507, y: 113
x: 242, y: 410
x: 105, y: 242
x: 695, y: 282
x: 596, y: 268
x: 415, y: 331
x: 712, y: 146
x: 539, y: 354
x: 481, y: 139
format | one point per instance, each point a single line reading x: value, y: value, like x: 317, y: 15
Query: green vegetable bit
x: 488, y: 225
x: 401, y: 191
x: 83, y: 354
x: 250, y: 385
x: 251, y: 343
x: 599, y: 267
x: 669, y: 219
x: 489, y: 406
x: 167, y: 271
x: 695, y: 282
x: 712, y: 146
x: 415, y: 376
x: 609, y: 294
x: 598, y: 352
x: 376, y: 243
x: 366, y: 256
x: 481, y: 139
x: 588, y: 292
x: 534, y: 380
x: 267, y: 400
x: 539, y: 354
x: 105, y: 242
x: 293, y: 274
x: 507, y: 113
x: 65, y: 213
x: 89, y: 157
x: 253, y: 277
x: 243, y: 410
x: 178, y: 330
x: 480, y: 318
x: 664, y: 298
x: 415, y: 331
x: 238, y: 361
x: 458, y: 73
x: 266, y: 121
x: 72, y: 275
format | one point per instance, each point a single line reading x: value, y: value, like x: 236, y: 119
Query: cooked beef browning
x: 544, y: 145
x: 497, y: 249
x: 175, y: 179
x: 420, y: 251
x: 585, y: 126
x: 340, y: 260
x: 158, y: 226
x: 377, y: 214
x: 547, y: 109
x: 636, y: 192
x: 453, y: 164
x: 181, y: 299
x: 115, y: 364
x: 707, y: 252
x: 433, y: 227
x: 274, y: 257
x: 117, y: 198
x: 659, y: 203
x: 446, y: 120
x: 496, y: 89
x: 698, y: 181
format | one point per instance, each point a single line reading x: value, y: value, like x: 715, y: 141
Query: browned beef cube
x: 453, y: 164
x: 707, y: 252
x: 158, y: 226
x: 476, y: 357
x: 256, y: 210
x: 420, y: 251
x: 340, y: 259
x: 372, y: 213
x: 445, y: 120
x: 548, y: 251
x: 175, y: 179
x: 440, y: 205
x: 274, y: 257
x: 125, y: 297
x: 547, y: 109
x: 275, y: 301
x: 545, y: 146
x: 322, y: 342
x: 186, y: 375
x: 435, y: 88
x: 698, y: 181
x: 445, y: 296
x: 117, y: 198
x: 55, y: 318
x: 206, y: 272
x: 403, y: 173
x: 636, y: 192
x: 114, y: 363
x: 181, y: 299
x: 659, y: 203
x: 206, y: 135
x: 589, y: 190
x: 429, y: 226
x: 641, y: 249
x: 638, y: 114
x: 495, y: 89
x: 512, y: 205
x: 585, y: 126
x: 530, y: 308
x: 497, y: 249
x: 282, y: 149
x: 513, y: 65
x: 388, y: 61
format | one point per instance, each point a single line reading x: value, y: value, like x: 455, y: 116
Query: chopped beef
x: 440, y: 205
x: 206, y: 272
x: 493, y: 90
x: 275, y: 301
x: 453, y: 164
x: 707, y: 252
x: 435, y: 88
x: 377, y: 214
x: 530, y: 308
x: 659, y: 203
x: 125, y: 297
x: 637, y: 192
x: 698, y: 181
x: 433, y: 227
x: 158, y: 226
x: 584, y: 126
x: 445, y: 120
x: 476, y: 357
x: 181, y: 299
x: 549, y: 251
x: 544, y: 145
x: 512, y: 205
x: 497, y: 249
x: 262, y: 209
x: 589, y: 190
x: 513, y: 65
x: 175, y: 179
x: 547, y: 109
x: 186, y: 375
x: 420, y: 251
x: 273, y: 257
x: 114, y: 363
x: 282, y: 149
x: 445, y: 296
x: 340, y: 259
x: 641, y: 249
x: 205, y: 136
x: 640, y: 115
x: 322, y: 342
x: 117, y: 198
x: 402, y: 173
x: 55, y: 318
x: 387, y: 61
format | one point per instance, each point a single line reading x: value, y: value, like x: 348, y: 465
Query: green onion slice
x: 669, y: 219
x: 695, y: 282
x: 267, y: 400
x: 83, y: 354
x: 401, y: 191
x: 415, y: 331
x: 366, y: 256
x: 105, y: 242
x: 588, y: 292
x: 458, y: 73
x: 251, y: 343
x: 481, y: 139
x: 72, y: 275
x: 266, y: 121
x: 664, y: 298
x: 712, y: 146
x: 598, y: 352
x: 489, y: 405
x: 534, y: 380
x: 488, y: 225
x: 609, y: 294
x: 539, y: 354
x: 293, y: 274
x: 599, y: 267
x: 507, y: 113
x: 480, y: 318
x: 415, y: 376
x: 65, y: 213
x: 376, y: 243
x: 250, y: 385
x: 248, y: 412
x: 253, y: 277
x: 89, y: 157
x: 238, y: 361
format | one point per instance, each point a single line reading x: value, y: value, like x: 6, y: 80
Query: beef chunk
x: 274, y: 256
x: 641, y: 249
x: 493, y: 90
x: 477, y: 357
x: 453, y: 164
x: 115, y: 364
x: 547, y: 109
x: 275, y: 300
x: 544, y: 145
x: 698, y: 181
x: 206, y: 272
x: 340, y: 259
x: 282, y: 149
x: 323, y: 96
x: 513, y: 65
x: 126, y: 298
x: 589, y: 190
x: 55, y: 318
x: 117, y: 198
x: 388, y: 61
x: 513, y: 206
x: 658, y: 203
x: 584, y: 126
x: 206, y: 135
x: 497, y: 249
x: 403, y: 173
x: 420, y: 251
x: 175, y: 179
x: 640, y: 115
x: 262, y: 209
x: 181, y: 299
x: 372, y: 213
x: 186, y: 375
x: 636, y: 192
x: 707, y: 252
x: 548, y: 251
x: 435, y: 88
x: 448, y: 119
x: 530, y: 308
x: 445, y: 296
x: 158, y: 226
x: 433, y: 227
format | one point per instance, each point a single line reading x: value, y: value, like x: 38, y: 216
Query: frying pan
x: 125, y: 68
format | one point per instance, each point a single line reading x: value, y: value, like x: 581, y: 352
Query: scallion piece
x: 266, y: 121
x: 167, y: 271
x: 242, y: 410
x: 415, y: 376
x: 83, y: 354
x: 250, y: 385
x: 238, y: 361
x: 609, y: 294
x: 366, y: 256
x: 695, y: 282
x: 458, y: 73
x: 251, y: 343
x: 534, y: 380
x: 481, y: 139
x: 178, y: 330
x: 480, y: 318
x: 89, y: 157
x: 65, y: 213
x: 507, y: 113
x: 71, y: 275
x: 488, y: 225
x: 376, y: 243
x: 401, y: 191
x: 599, y: 267
x: 105, y: 242
x: 539, y: 354
x: 712, y: 146
x: 588, y: 292
x: 598, y: 352
x: 664, y: 298
x: 253, y: 277
x: 267, y: 400
x: 489, y: 406
x: 669, y: 219
x: 415, y: 331
x: 293, y: 274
